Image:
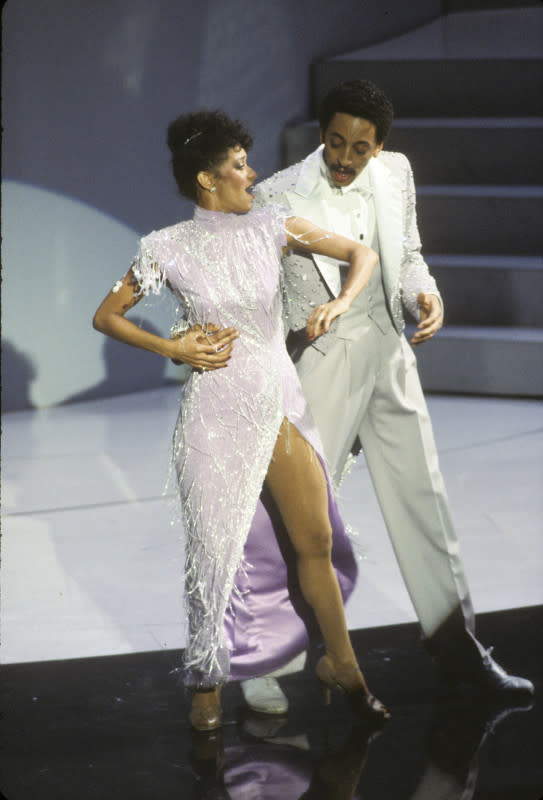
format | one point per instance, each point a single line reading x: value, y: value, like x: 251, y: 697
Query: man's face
x: 349, y: 143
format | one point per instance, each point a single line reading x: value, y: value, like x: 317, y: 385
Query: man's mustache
x: 339, y: 168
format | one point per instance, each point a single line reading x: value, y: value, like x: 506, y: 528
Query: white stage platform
x: 92, y: 566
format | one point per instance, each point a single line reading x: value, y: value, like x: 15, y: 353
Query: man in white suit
x: 361, y: 379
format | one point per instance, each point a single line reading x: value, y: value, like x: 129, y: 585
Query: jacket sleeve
x: 414, y: 273
x: 303, y: 287
x: 271, y: 191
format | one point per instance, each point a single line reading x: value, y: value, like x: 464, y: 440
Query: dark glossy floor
x: 116, y: 728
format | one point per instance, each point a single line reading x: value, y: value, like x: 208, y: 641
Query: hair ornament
x: 194, y: 135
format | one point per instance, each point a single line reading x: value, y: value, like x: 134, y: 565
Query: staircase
x: 467, y: 92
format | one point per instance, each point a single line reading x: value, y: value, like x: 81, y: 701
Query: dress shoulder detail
x: 154, y: 253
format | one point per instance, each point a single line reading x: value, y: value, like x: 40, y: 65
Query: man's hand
x: 205, y: 348
x: 431, y: 318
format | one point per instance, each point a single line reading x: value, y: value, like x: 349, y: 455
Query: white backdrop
x: 60, y: 258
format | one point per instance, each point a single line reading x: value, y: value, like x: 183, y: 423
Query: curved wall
x: 88, y: 89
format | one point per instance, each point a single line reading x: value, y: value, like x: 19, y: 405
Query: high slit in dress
x: 240, y: 587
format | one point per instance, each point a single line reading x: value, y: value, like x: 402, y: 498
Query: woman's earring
x: 213, y: 189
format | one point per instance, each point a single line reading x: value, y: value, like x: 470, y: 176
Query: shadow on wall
x: 128, y: 369
x: 21, y: 372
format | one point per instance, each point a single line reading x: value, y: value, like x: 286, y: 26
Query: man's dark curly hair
x: 361, y: 99
x: 199, y: 142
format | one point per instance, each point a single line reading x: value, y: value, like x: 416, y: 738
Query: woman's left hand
x: 322, y: 317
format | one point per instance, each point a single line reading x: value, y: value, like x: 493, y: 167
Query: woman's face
x: 233, y: 181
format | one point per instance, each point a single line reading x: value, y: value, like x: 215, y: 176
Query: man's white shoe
x: 264, y: 695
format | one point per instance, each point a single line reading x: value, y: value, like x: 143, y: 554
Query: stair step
x: 470, y: 5
x: 471, y: 150
x: 490, y: 290
x: 460, y: 87
x: 481, y: 219
x: 491, y: 361
x: 512, y: 262
x: 466, y: 90
x: 475, y: 190
x: 488, y: 123
x: 462, y: 64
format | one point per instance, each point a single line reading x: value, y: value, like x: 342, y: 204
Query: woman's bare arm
x: 307, y: 237
x: 197, y: 348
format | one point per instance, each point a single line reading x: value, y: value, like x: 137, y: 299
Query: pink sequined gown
x: 225, y: 269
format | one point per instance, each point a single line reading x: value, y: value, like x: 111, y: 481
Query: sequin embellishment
x: 225, y: 269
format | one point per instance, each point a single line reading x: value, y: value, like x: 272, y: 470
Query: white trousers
x: 370, y: 388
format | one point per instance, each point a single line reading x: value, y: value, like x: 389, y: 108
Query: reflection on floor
x: 116, y: 727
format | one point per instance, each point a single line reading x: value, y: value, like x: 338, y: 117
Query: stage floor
x: 116, y: 727
x: 92, y: 622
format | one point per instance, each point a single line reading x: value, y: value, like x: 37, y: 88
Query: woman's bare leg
x: 297, y: 483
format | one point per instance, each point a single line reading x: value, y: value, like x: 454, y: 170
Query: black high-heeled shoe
x: 362, y: 702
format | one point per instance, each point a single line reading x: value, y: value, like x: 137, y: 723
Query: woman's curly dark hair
x: 362, y: 99
x: 199, y: 141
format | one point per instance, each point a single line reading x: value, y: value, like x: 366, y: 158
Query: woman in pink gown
x: 243, y: 422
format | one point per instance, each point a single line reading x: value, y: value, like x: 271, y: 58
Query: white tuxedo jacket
x: 312, y: 280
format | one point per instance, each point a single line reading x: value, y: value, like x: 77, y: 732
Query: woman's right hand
x: 321, y: 317
x: 204, y: 348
